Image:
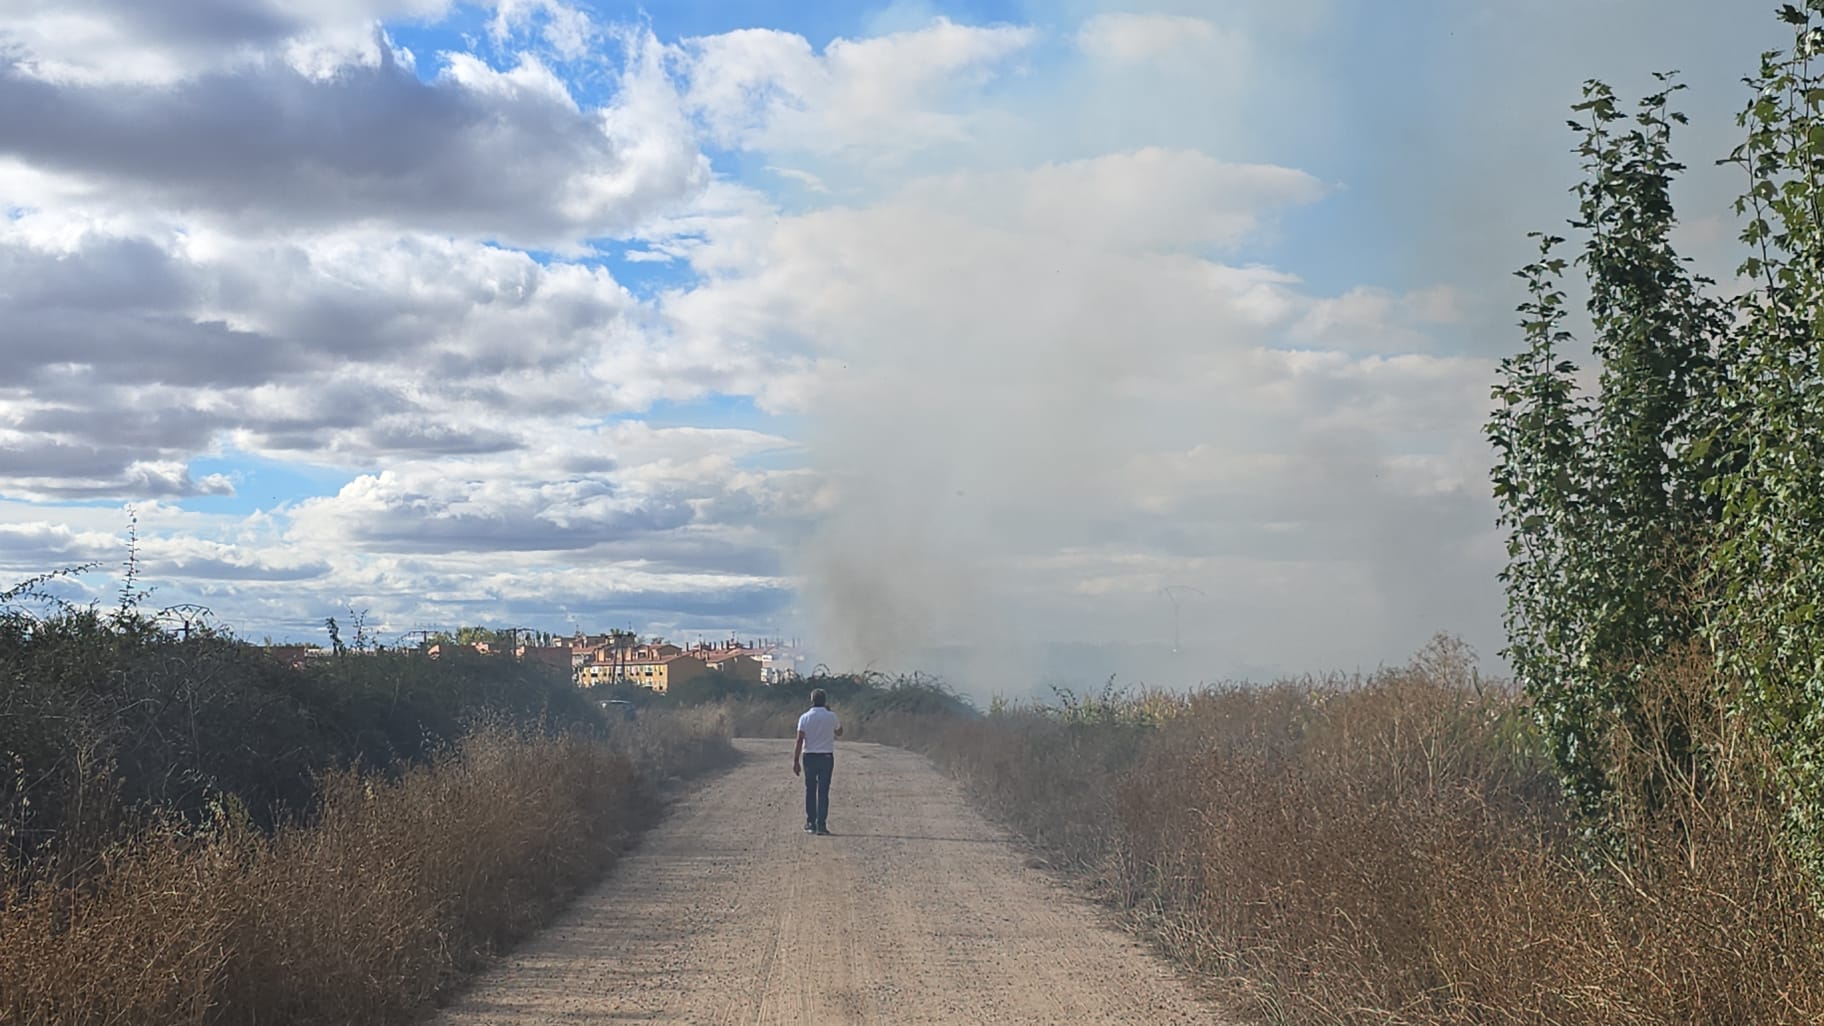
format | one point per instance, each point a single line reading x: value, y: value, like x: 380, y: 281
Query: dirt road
x: 915, y: 911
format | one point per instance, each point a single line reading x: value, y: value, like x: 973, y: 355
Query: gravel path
x: 916, y: 911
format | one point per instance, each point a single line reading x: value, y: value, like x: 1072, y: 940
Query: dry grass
x: 1394, y: 851
x: 756, y: 718
x: 362, y: 914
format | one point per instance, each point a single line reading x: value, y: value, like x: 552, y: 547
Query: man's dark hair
x: 819, y: 698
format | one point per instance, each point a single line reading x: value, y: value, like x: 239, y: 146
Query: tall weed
x: 364, y: 911
x: 1398, y: 850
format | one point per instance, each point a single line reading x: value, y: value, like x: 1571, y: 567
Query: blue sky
x: 909, y: 328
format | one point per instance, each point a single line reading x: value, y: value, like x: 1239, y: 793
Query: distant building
x: 737, y: 664
x: 589, y: 675
x: 660, y: 672
x: 780, y: 664
x: 622, y: 658
x: 646, y: 666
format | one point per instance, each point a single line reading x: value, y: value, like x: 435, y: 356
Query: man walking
x: 818, y: 730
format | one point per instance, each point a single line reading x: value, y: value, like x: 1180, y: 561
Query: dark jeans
x: 817, y: 769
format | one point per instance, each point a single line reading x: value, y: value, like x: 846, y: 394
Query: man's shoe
x: 810, y: 828
x: 823, y: 831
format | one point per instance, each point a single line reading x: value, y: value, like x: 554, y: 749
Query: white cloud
x: 1132, y: 37
x: 1088, y: 269
x: 567, y: 30
x: 804, y: 178
x: 1147, y: 199
x: 668, y: 525
x: 1366, y: 317
x: 133, y: 354
x: 37, y: 466
x: 614, y: 489
x: 883, y: 96
x: 502, y: 154
x: 94, y: 42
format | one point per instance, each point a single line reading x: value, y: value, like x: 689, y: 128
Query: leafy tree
x: 1541, y: 486
x: 1768, y: 569
x: 1685, y: 499
x: 482, y: 635
x: 1604, y: 498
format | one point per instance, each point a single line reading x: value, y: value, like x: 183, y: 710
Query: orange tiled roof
x: 727, y: 654
x: 655, y: 660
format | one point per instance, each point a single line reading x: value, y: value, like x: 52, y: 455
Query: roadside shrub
x: 363, y: 911
x: 106, y: 720
x: 1398, y: 849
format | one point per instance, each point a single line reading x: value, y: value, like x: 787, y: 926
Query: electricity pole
x: 187, y: 615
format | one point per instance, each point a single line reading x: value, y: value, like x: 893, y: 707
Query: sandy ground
x: 915, y: 911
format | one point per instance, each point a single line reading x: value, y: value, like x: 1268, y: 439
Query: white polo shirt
x: 819, y: 729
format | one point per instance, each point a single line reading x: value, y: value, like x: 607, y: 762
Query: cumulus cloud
x: 567, y: 30
x: 667, y: 524
x: 344, y: 348
x: 189, y: 558
x: 1369, y: 317
x: 767, y: 90
x: 37, y: 466
x: 478, y: 151
x: 671, y: 530
x: 1147, y: 199
x: 594, y: 486
x: 98, y: 41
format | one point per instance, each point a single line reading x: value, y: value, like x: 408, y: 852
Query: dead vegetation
x: 1396, y: 849
x: 362, y: 912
